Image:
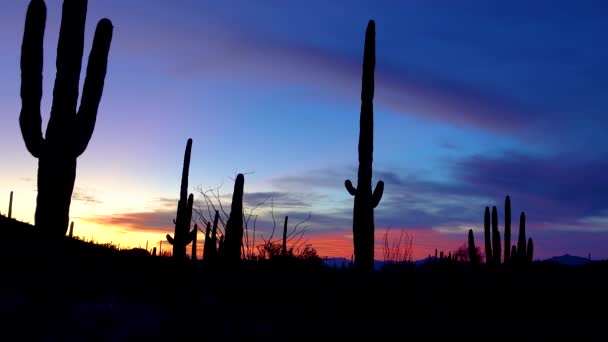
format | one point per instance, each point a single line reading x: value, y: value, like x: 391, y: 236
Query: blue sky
x: 474, y: 100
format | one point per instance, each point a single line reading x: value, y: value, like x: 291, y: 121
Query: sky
x: 474, y: 100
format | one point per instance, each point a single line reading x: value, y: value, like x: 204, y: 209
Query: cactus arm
x: 350, y: 188
x: 170, y: 239
x: 30, y: 120
x: 69, y: 62
x: 377, y: 195
x: 93, y: 85
x: 191, y: 236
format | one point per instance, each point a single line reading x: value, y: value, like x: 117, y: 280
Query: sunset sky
x: 475, y: 100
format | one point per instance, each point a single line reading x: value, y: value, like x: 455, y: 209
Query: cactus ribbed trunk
x: 521, y: 239
x: 284, y: 247
x: 69, y: 130
x: 487, y: 236
x: 183, y: 236
x: 234, y: 227
x: 507, y: 230
x: 496, y: 248
x: 365, y: 200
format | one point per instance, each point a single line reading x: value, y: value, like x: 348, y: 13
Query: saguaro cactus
x: 365, y: 200
x: 207, y: 244
x: 194, y: 237
x: 71, y: 232
x: 507, y: 230
x: 213, y: 243
x: 183, y: 235
x: 521, y: 239
x: 487, y: 236
x: 473, y: 256
x: 530, y: 251
x: 496, y: 252
x: 69, y: 131
x: 234, y: 226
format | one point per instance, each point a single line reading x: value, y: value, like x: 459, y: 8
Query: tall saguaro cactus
x: 365, y: 200
x: 507, y: 230
x: 69, y: 130
x: 183, y: 236
x: 234, y: 226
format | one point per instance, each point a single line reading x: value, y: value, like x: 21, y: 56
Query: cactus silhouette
x: 521, y: 239
x: 68, y: 131
x: 70, y: 234
x: 183, y: 235
x: 487, y: 236
x: 365, y: 200
x: 507, y: 230
x: 496, y: 252
x: 10, y: 206
x: 194, y: 237
x: 284, y: 247
x: 513, y: 254
x: 234, y: 226
x: 220, y: 247
x: 473, y: 256
x: 207, y: 244
x: 213, y: 251
x: 154, y: 251
x: 530, y: 251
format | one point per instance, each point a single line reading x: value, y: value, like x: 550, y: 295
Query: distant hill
x: 566, y: 259
x: 569, y: 260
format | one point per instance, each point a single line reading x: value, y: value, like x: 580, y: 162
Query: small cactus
x: 487, y: 236
x: 507, y: 230
x: 496, y: 249
x: 234, y: 227
x: 194, y: 237
x: 521, y: 239
x: 70, y: 234
x: 10, y: 206
x: 207, y: 245
x: 530, y: 251
x: 472, y: 249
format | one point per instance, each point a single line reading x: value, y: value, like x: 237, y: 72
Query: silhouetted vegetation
x: 69, y: 131
x: 365, y: 200
x: 284, y: 290
x: 183, y: 235
x: 519, y: 255
x: 233, y: 241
